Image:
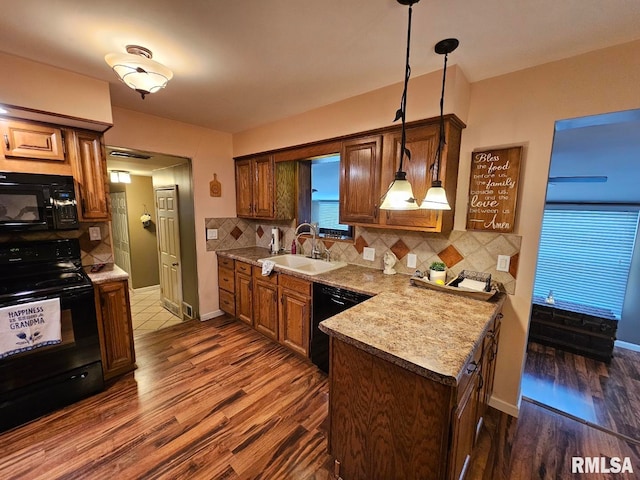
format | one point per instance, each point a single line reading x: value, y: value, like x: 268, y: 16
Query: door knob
x: 174, y: 264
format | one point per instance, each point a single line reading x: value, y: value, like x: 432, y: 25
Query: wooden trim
x: 333, y: 145
x: 54, y: 119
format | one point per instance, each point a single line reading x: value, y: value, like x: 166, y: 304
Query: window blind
x: 585, y: 256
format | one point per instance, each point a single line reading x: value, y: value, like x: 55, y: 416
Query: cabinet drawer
x: 243, y: 268
x: 227, y: 302
x: 296, y: 284
x: 271, y: 278
x: 225, y: 262
x: 226, y: 279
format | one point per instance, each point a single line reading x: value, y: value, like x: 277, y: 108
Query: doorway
x: 133, y: 203
x: 594, y: 174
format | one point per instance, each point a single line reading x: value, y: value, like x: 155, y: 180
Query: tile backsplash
x: 459, y: 250
x: 92, y: 251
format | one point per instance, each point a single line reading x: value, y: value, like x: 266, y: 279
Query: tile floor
x: 147, y: 312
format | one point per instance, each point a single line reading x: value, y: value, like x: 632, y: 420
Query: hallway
x: 147, y: 311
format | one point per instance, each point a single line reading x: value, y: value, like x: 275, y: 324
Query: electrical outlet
x: 94, y: 233
x: 503, y: 263
x: 212, y: 233
x: 369, y: 254
x: 412, y: 260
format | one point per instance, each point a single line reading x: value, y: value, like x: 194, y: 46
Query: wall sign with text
x: 493, y: 189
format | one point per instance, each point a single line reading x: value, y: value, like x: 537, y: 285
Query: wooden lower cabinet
x: 265, y: 303
x: 115, y: 328
x: 295, y: 314
x: 244, y: 297
x: 388, y: 422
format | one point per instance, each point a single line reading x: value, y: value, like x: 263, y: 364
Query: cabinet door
x: 265, y: 309
x: 464, y: 428
x: 244, y: 301
x: 244, y: 188
x: 90, y: 172
x: 115, y: 328
x: 263, y: 187
x: 31, y: 140
x: 295, y: 319
x: 360, y: 180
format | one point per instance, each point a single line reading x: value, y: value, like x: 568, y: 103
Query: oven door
x: 79, y: 347
x: 23, y: 207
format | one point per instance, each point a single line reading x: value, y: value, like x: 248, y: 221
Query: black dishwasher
x: 327, y: 302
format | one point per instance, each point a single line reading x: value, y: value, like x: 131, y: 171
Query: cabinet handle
x: 491, y: 334
x: 6, y: 142
x: 499, y: 316
x: 473, y: 366
x: 481, y: 381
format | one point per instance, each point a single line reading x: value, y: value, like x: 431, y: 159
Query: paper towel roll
x: 275, y: 235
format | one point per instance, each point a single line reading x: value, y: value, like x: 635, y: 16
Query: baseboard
x: 210, y: 315
x: 627, y: 345
x: 505, y: 407
x: 150, y: 288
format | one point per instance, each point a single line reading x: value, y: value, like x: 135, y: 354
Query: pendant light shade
x: 138, y: 71
x: 436, y: 197
x: 399, y: 196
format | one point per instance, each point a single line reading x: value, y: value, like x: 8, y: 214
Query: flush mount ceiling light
x: 399, y: 196
x: 436, y: 198
x: 119, y: 176
x: 136, y: 69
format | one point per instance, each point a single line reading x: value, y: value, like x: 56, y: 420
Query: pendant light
x: 399, y: 196
x: 436, y: 198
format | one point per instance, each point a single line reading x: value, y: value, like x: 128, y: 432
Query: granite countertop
x: 427, y: 332
x: 109, y: 273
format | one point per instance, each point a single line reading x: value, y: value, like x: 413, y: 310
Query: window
x: 324, y: 206
x: 585, y: 256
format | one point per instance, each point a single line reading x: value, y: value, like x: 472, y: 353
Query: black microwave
x: 31, y: 201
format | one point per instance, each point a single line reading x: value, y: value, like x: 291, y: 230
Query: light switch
x: 412, y: 260
x: 94, y: 233
x: 212, y: 233
x: 503, y: 263
x: 369, y: 254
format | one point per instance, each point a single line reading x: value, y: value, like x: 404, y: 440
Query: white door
x: 120, y: 228
x: 169, y: 249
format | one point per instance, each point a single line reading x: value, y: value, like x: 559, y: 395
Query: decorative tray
x: 452, y: 286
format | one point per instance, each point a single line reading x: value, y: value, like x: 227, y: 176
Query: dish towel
x: 267, y: 266
x: 29, y: 325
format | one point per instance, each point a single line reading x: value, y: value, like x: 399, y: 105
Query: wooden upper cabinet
x: 31, y: 140
x: 244, y: 188
x: 360, y: 180
x: 265, y: 188
x: 90, y: 172
x: 422, y: 142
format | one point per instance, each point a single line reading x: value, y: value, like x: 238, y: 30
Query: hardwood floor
x: 604, y: 396
x: 217, y: 400
x: 210, y: 400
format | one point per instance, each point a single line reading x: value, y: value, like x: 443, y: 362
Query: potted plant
x: 438, y: 272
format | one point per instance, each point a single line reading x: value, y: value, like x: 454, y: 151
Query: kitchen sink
x: 301, y: 264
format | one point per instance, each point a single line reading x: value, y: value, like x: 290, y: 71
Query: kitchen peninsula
x: 411, y: 373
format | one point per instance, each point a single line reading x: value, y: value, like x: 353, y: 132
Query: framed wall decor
x: 493, y: 189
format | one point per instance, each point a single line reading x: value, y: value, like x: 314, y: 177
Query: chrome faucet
x: 315, y: 252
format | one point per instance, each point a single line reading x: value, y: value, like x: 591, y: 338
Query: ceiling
x: 239, y: 64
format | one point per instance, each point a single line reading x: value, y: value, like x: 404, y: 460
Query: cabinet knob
x: 473, y: 366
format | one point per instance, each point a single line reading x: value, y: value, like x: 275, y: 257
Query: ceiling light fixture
x: 136, y: 69
x: 436, y: 198
x: 399, y: 196
x: 119, y: 176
